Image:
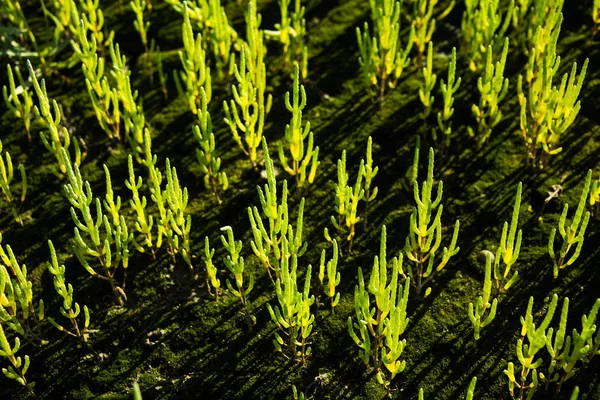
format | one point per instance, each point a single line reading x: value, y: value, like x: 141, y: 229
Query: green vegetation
x: 380, y: 327
x: 145, y: 130
x: 425, y: 235
x: 448, y: 89
x: 574, y: 234
x: 382, y: 57
x: 295, y: 135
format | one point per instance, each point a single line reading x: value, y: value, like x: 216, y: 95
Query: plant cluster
x: 424, y: 22
x: 270, y: 236
x: 547, y: 111
x: 56, y: 138
x: 448, y: 90
x: 565, y: 351
x: 573, y: 234
x: 246, y: 112
x: 291, y: 33
x: 425, y: 235
x: 381, y: 55
x: 483, y: 25
x: 347, y: 198
x: 380, y: 324
x: 295, y: 135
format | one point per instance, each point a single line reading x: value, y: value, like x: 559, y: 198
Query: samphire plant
x: 18, y: 366
x: 483, y: 25
x: 381, y: 55
x: 428, y: 83
x: 174, y: 222
x: 509, y: 249
x: 333, y: 276
x: 211, y: 270
x: 17, y: 309
x: 547, y: 111
x: 19, y: 100
x: 346, y: 202
x: 210, y: 18
x: 7, y: 185
x: 425, y: 236
x: 103, y: 97
x: 368, y: 172
x: 448, y: 89
x: 108, y: 239
x: 565, y: 351
x: 138, y: 7
x: 235, y: 264
x: 304, y: 162
x: 132, y: 114
x: 250, y: 105
x: 13, y: 13
x: 69, y: 308
x: 196, y: 71
x: 268, y: 236
x: 573, y: 234
x: 210, y: 165
x: 424, y: 23
x: 293, y: 315
x: 483, y: 312
x: 59, y: 137
x: 93, y: 21
x: 492, y: 87
x: 144, y: 221
x: 291, y: 33
x: 381, y: 324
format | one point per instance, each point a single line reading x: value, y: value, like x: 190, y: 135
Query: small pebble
x: 481, y: 256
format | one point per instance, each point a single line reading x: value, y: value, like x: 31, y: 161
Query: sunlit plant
x: 424, y: 22
x: 210, y: 164
x: 381, y: 55
x: 448, y: 90
x: 573, y: 234
x: 329, y: 268
x: 566, y: 351
x: 368, y: 172
x: 346, y: 202
x: 196, y: 71
x: 380, y: 324
x: 246, y: 112
x: 107, y: 238
x: 59, y: 137
x: 19, y: 100
x: 483, y: 312
x: 211, y: 270
x: 428, y: 83
x: 17, y: 309
x: 291, y: 33
x: 293, y: 315
x: 492, y: 87
x: 509, y: 249
x: 304, y: 161
x: 104, y: 98
x: 425, y: 235
x: 268, y: 236
x: 69, y: 308
x: 7, y: 186
x: 235, y: 264
x: 483, y: 25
